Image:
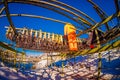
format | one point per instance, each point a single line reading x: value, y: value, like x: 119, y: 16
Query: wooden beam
x: 100, y: 23
x: 4, y: 45
x: 8, y: 16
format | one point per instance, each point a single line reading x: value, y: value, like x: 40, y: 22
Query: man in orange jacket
x: 70, y: 35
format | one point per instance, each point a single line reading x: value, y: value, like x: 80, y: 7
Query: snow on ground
x: 11, y: 74
x: 84, y: 69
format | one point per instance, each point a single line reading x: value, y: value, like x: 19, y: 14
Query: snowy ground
x: 84, y: 69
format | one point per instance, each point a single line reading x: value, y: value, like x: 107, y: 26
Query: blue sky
x: 50, y: 26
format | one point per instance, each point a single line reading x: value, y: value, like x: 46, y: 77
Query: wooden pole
x: 99, y: 56
x: 99, y: 65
